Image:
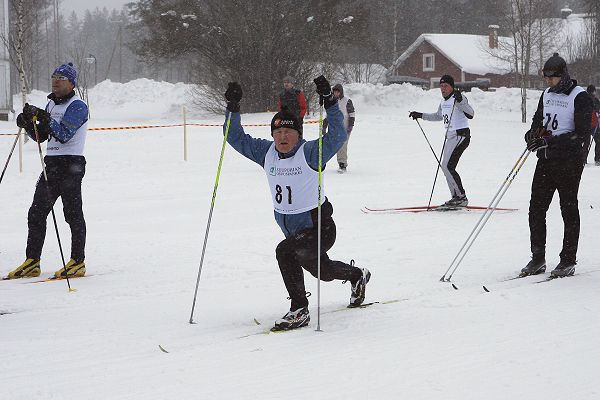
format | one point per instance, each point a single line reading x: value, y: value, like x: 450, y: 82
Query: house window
x: 429, y: 62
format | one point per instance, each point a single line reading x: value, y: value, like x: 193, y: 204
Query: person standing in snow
x: 595, y: 131
x: 64, y: 124
x: 560, y: 127
x: 291, y: 164
x: 292, y: 98
x: 347, y: 108
x: 456, y: 112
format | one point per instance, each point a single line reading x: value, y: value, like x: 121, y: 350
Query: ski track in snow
x: 146, y: 212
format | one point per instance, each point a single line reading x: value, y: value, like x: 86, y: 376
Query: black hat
x: 447, y: 79
x: 556, y: 66
x: 591, y: 89
x: 286, y: 119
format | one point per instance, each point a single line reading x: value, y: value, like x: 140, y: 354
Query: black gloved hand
x: 30, y: 111
x: 457, y: 96
x: 415, y: 115
x: 233, y: 95
x: 326, y: 97
x: 537, y: 133
x: 537, y: 144
x: 22, y: 122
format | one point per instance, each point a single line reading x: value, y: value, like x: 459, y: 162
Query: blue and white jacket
x: 256, y: 150
x: 67, y: 125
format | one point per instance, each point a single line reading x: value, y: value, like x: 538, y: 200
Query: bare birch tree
x: 531, y: 42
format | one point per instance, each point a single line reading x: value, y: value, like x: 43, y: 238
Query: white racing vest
x: 453, y: 120
x: 74, y: 147
x: 343, y: 104
x: 559, y: 111
x: 294, y: 184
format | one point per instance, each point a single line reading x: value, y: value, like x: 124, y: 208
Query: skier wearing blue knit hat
x: 63, y: 123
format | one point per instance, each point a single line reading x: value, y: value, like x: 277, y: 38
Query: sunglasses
x: 59, y: 77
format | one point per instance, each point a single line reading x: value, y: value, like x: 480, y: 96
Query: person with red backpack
x: 291, y: 98
x: 591, y: 89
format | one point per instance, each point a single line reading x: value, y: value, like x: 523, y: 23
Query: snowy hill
x: 146, y: 212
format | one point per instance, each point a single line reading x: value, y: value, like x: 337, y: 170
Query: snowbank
x: 147, y: 100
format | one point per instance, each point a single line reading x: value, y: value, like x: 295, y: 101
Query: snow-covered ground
x: 146, y: 212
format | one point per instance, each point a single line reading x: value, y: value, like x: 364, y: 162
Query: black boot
x: 537, y: 265
x: 564, y: 268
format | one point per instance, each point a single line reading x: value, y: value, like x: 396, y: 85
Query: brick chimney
x: 493, y: 36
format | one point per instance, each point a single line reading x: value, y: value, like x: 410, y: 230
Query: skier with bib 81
x: 455, y: 111
x: 291, y: 163
x: 560, y: 127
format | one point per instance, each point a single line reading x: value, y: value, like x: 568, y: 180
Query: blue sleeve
x: 251, y: 148
x: 333, y: 140
x: 75, y: 116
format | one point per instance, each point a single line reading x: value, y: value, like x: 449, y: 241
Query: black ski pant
x: 562, y: 175
x: 300, y: 251
x: 65, y: 174
x: 596, y: 136
x: 587, y: 145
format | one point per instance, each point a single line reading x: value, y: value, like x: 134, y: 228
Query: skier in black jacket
x: 558, y: 132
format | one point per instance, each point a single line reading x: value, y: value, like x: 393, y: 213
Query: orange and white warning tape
x: 122, y: 128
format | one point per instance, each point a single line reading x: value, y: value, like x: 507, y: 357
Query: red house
x: 466, y: 57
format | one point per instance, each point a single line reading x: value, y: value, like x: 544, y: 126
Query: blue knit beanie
x: 69, y: 71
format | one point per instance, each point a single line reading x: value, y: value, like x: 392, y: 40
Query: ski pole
x: 486, y: 215
x: 10, y: 154
x: 62, y: 255
x: 441, y: 155
x: 320, y: 172
x: 210, y: 213
x: 430, y: 147
x: 443, y: 278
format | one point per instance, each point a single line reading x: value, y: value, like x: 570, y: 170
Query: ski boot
x: 74, y: 269
x: 342, y: 168
x: 536, y: 266
x: 292, y: 320
x: 30, y: 268
x: 564, y: 268
x: 357, y: 296
x: 455, y: 203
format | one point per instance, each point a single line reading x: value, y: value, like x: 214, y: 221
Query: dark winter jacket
x: 256, y: 150
x: 294, y: 100
x: 568, y: 145
x: 596, y: 107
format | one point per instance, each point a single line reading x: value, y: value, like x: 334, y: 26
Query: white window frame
x: 425, y: 57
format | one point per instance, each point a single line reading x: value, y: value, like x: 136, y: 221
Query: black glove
x: 233, y: 95
x: 30, y: 111
x: 537, y: 133
x: 24, y: 123
x: 324, y: 90
x: 537, y: 144
x: 415, y: 115
x: 457, y: 96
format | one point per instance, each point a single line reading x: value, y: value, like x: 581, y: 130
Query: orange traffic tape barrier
x: 121, y: 128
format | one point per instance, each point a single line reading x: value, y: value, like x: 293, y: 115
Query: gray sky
x: 79, y: 6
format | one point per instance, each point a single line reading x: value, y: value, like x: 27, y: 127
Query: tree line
x: 210, y: 42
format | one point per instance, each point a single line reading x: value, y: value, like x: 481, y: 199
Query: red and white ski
x: 417, y: 209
